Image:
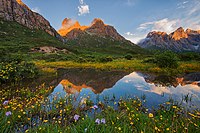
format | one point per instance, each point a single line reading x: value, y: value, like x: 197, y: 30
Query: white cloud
x: 182, y: 5
x: 36, y: 9
x: 129, y: 33
x: 164, y: 25
x: 83, y: 8
x: 135, y: 38
x: 81, y: 2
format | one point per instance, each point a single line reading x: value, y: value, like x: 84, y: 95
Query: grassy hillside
x: 104, y: 45
x: 17, y: 38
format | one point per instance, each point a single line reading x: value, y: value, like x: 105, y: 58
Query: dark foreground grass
x: 26, y: 110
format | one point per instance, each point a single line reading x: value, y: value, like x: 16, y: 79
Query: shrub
x: 105, y: 59
x: 15, y: 71
x: 167, y: 60
x: 128, y: 56
x: 189, y: 56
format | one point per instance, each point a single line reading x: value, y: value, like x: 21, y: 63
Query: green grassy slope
x: 104, y: 45
x: 17, y: 38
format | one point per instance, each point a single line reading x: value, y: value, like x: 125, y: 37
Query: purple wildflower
x: 97, y: 121
x: 5, y: 102
x: 76, y: 117
x: 8, y: 113
x: 103, y: 121
x: 95, y: 107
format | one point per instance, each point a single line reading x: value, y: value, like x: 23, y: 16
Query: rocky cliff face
x: 16, y: 10
x: 72, y: 29
x: 180, y: 40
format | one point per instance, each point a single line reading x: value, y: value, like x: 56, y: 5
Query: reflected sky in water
x: 132, y: 85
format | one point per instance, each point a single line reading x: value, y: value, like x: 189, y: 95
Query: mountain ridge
x: 16, y: 10
x: 180, y: 40
x: 71, y: 29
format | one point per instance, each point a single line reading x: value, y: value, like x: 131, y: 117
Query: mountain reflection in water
x: 81, y: 83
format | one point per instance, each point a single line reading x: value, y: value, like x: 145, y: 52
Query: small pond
x: 113, y: 85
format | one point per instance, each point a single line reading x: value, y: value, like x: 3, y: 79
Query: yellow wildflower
x: 45, y: 121
x: 150, y: 115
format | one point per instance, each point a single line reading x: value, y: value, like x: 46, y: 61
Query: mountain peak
x: 97, y: 21
x: 68, y: 22
x: 68, y: 25
x: 179, y: 34
x: 22, y: 4
x: 156, y: 33
x: 71, y: 28
x: 180, y: 29
x: 194, y: 32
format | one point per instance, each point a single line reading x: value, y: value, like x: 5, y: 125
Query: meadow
x: 29, y: 110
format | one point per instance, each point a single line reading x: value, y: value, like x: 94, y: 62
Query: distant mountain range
x: 180, y: 40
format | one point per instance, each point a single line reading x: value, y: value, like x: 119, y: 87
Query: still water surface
x: 113, y: 85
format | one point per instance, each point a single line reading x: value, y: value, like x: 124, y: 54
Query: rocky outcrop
x: 16, y: 10
x: 179, y: 41
x: 69, y: 25
x: 72, y: 29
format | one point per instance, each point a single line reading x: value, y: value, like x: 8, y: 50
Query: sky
x: 133, y: 19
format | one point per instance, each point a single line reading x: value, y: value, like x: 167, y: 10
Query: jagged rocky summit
x: 180, y: 40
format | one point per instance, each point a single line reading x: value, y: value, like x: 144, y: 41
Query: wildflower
x: 167, y: 129
x: 76, y: 117
x: 150, y: 115
x: 45, y: 121
x: 97, y: 121
x: 8, y: 122
x: 95, y: 107
x: 83, y: 101
x: 85, y: 129
x: 131, y: 123
x: 5, y: 102
x: 119, y: 128
x: 8, y: 113
x: 103, y: 121
x: 19, y: 116
x: 174, y: 107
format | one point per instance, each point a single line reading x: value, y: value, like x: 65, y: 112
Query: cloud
x: 36, y: 9
x: 129, y: 33
x: 182, y: 5
x: 81, y: 2
x: 165, y: 25
x: 83, y: 8
x: 135, y: 38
